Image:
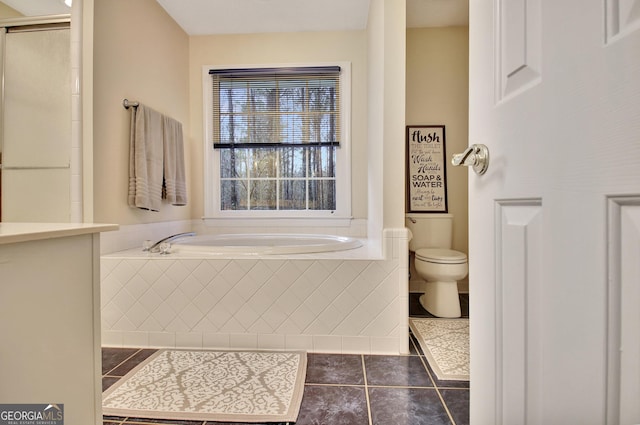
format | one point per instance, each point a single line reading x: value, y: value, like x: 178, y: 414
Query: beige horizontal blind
x: 276, y: 107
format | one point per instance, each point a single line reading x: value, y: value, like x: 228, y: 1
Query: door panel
x: 623, y: 17
x: 518, y: 54
x: 624, y: 315
x: 518, y: 249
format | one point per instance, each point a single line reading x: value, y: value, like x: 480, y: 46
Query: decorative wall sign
x: 426, y: 176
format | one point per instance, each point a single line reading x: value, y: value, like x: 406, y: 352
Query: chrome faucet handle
x: 475, y: 156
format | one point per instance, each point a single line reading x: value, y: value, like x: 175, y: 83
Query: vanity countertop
x: 24, y: 232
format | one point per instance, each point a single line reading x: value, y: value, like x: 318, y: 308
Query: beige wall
x: 141, y: 54
x: 280, y: 48
x: 437, y: 93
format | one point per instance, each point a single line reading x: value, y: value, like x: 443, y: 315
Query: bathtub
x: 325, y: 293
x: 263, y: 243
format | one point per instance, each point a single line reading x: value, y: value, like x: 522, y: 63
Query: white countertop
x: 24, y: 232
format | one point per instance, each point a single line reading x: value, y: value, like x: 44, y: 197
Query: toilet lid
x: 444, y: 256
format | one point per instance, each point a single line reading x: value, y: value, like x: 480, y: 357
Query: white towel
x: 145, y: 159
x: 174, y: 189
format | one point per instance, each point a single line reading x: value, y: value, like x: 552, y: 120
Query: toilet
x: 436, y: 263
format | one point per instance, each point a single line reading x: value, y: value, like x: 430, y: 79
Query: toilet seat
x: 441, y: 256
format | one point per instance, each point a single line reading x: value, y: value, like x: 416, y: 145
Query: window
x: 277, y: 140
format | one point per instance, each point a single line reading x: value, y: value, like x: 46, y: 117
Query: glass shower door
x: 36, y: 124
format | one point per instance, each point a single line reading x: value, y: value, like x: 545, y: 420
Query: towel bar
x: 128, y: 103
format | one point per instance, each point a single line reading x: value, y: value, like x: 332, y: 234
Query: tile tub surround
x: 344, y: 302
x: 345, y: 389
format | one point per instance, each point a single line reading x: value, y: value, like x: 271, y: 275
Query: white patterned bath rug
x: 225, y: 386
x: 445, y: 342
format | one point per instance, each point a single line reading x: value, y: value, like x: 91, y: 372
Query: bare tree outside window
x: 278, y: 134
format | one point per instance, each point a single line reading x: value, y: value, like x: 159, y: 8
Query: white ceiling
x: 38, y: 7
x: 200, y: 17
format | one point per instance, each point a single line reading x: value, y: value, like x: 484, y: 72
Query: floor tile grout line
x: 416, y: 346
x: 121, y: 363
x: 453, y: 388
x: 403, y: 387
x: 366, y: 390
x: 435, y: 386
x: 138, y: 350
x: 420, y: 387
x: 425, y: 362
x: 426, y: 368
x: 446, y: 408
x: 333, y: 385
x: 112, y: 376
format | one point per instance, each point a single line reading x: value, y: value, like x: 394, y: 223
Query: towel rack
x: 130, y: 103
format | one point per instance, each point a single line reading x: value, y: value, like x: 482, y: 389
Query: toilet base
x: 441, y: 299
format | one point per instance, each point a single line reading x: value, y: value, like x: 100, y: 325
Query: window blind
x: 276, y: 107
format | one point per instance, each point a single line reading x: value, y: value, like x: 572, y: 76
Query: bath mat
x: 225, y: 386
x: 445, y: 342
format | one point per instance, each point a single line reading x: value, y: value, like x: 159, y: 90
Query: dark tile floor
x: 416, y: 309
x: 346, y: 389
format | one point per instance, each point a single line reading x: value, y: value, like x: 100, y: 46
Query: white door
x: 554, y: 223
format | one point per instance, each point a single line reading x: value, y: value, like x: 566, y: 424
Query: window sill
x: 277, y: 222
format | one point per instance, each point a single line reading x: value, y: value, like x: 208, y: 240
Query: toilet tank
x: 430, y: 230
